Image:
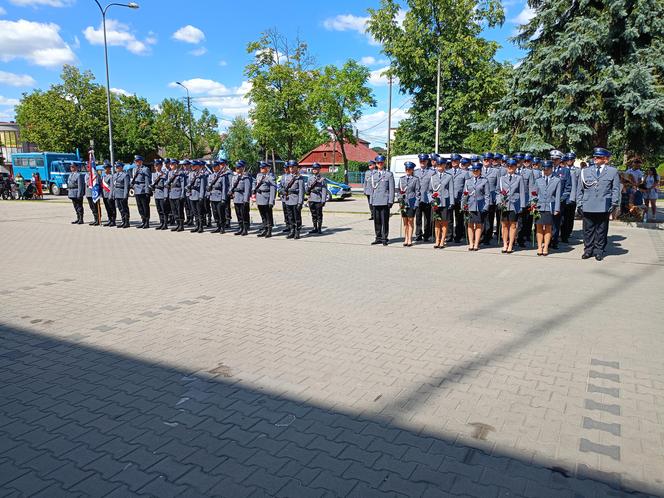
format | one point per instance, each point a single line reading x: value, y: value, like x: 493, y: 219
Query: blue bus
x: 51, y: 166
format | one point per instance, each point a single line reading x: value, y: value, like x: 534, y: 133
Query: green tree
x: 282, y: 79
x: 592, y: 76
x: 471, y: 79
x: 239, y: 142
x: 171, y: 128
x: 339, y: 97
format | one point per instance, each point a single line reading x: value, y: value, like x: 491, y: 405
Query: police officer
x: 292, y: 191
x: 382, y: 199
x: 366, y: 187
x: 89, y: 184
x: 423, y: 208
x: 107, y: 194
x: 176, y: 193
x: 76, y: 191
x: 316, y: 190
x: 141, y: 184
x: 196, y: 185
x: 121, y: 184
x: 158, y: 186
x: 241, y: 195
x: 569, y: 209
x: 561, y: 172
x: 459, y: 177
x: 218, y: 190
x: 597, y: 196
x: 266, y: 193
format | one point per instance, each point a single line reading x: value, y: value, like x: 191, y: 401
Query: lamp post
x: 130, y: 5
x: 191, y: 128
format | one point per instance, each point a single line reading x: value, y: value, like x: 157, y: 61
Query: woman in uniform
x: 475, y: 201
x: 441, y: 194
x: 409, y: 192
x: 511, y: 200
x: 547, y: 189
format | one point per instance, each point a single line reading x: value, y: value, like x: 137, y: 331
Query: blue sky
x: 201, y: 43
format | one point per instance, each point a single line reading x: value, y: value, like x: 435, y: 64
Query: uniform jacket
x: 424, y: 176
x: 196, y: 185
x: 515, y: 188
x: 159, y: 181
x: 241, y: 188
x: 176, y: 184
x: 121, y: 185
x: 443, y: 184
x: 366, y: 186
x: 479, y: 196
x: 459, y: 177
x: 218, y: 185
x: 548, y: 196
x: 293, y: 195
x: 409, y: 190
x: 598, y: 194
x: 382, y: 188
x: 107, y: 179
x: 75, y: 186
x: 142, y: 179
x: 266, y: 189
x: 317, y: 193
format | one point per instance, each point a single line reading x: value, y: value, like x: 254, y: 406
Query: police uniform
x: 292, y: 192
x: 88, y: 195
x: 423, y: 208
x: 76, y: 191
x: 218, y: 189
x: 158, y: 186
x: 121, y: 185
x: 459, y: 177
x: 196, y: 186
x: 265, y: 190
x: 598, y: 194
x: 241, y: 183
x: 107, y: 195
x: 316, y: 190
x: 382, y: 199
x: 176, y: 194
x: 141, y: 184
x: 366, y: 187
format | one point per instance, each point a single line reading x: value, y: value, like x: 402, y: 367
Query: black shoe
x: 599, y: 257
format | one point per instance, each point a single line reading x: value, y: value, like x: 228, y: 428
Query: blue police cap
x: 512, y: 162
x: 601, y: 152
x: 475, y: 167
x: 118, y: 164
x: 547, y: 164
x: 423, y: 157
x: 240, y: 164
x: 138, y: 158
x: 380, y: 159
x: 464, y: 160
x: 455, y: 157
x: 489, y: 155
x: 527, y: 157
x: 409, y: 165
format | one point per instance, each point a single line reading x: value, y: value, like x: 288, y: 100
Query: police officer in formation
x: 241, y: 194
x: 76, y: 191
x: 107, y: 194
x: 265, y: 190
x: 121, y: 185
x: 291, y: 189
x: 141, y: 185
x: 316, y: 191
x: 423, y: 226
x: 160, y: 190
x: 382, y: 199
x: 218, y: 185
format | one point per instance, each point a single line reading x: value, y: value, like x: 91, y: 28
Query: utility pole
x: 389, y: 121
x: 438, y: 106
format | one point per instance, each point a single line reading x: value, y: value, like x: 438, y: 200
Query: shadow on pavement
x: 81, y: 421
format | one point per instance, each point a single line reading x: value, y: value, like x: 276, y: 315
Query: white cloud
x: 48, y: 3
x: 118, y: 35
x: 223, y: 63
x: 38, y: 43
x: 189, y: 34
x: 226, y: 101
x: 373, y: 127
x: 524, y: 16
x: 6, y: 101
x: 121, y: 91
x: 198, y: 51
x: 13, y: 79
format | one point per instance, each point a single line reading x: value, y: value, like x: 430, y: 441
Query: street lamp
x: 130, y: 5
x: 191, y: 129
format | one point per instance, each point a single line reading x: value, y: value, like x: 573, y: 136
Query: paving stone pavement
x: 147, y: 363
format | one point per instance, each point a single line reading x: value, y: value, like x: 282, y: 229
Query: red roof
x: 330, y: 153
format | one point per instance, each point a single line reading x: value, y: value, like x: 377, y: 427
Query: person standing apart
x: 265, y: 190
x: 316, y: 190
x: 382, y: 199
x: 121, y: 184
x: 409, y: 200
x: 423, y: 209
x: 548, y: 191
x: 75, y: 191
x: 598, y: 195
x: 108, y: 195
x: 441, y: 193
x: 511, y: 201
x: 477, y: 196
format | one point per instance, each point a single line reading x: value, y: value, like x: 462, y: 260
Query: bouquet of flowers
x: 402, y: 203
x: 435, y: 206
x: 503, y: 201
